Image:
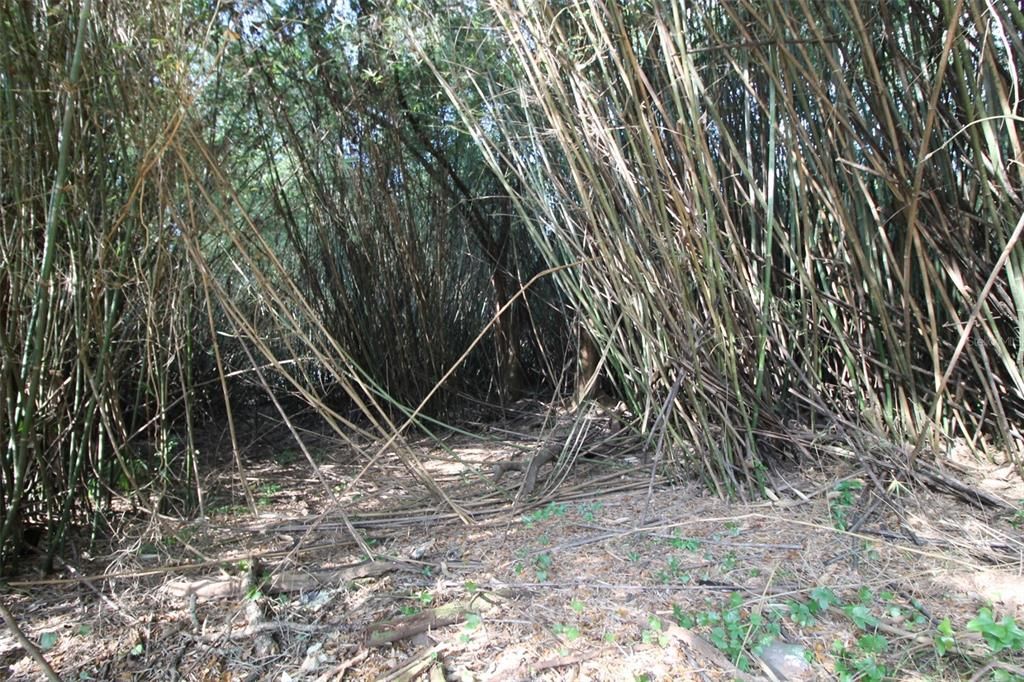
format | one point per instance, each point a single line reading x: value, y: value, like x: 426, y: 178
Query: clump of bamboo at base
x: 98, y: 323
x: 787, y: 216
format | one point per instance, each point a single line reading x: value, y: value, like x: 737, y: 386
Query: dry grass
x: 575, y: 580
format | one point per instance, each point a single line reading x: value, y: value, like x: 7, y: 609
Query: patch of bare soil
x: 606, y: 576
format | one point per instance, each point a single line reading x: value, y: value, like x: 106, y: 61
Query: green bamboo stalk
x: 22, y: 441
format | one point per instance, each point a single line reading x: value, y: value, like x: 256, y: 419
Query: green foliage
x: 674, y: 571
x: 570, y: 632
x: 48, y: 640
x: 588, y: 510
x: 542, y: 566
x: 824, y: 597
x: 873, y: 644
x: 653, y: 633
x: 473, y: 621
x: 286, y: 456
x: 549, y: 511
x: 266, y: 492
x: 944, y: 639
x: 1017, y: 519
x: 999, y: 675
x: 861, y: 616
x: 861, y: 663
x: 732, y: 629
x: 844, y: 496
x: 685, y: 544
x: 801, y: 613
x: 999, y: 635
x: 100, y: 331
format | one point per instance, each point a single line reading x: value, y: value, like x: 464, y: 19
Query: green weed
x: 732, y: 629
x: 1017, y: 520
x: 999, y: 635
x: 570, y: 632
x: 844, y: 495
x: 654, y: 634
x: 684, y: 544
x: 551, y: 510
x: 588, y: 510
x: 861, y: 662
x: 542, y: 566
x: 674, y: 571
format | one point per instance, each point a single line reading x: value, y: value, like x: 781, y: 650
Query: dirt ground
x: 849, y: 574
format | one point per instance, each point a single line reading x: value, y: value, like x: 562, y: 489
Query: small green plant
x: 684, y: 544
x: 48, y: 640
x: 576, y: 605
x: 844, y: 495
x: 824, y: 597
x: 633, y: 556
x: 588, y: 510
x: 286, y: 457
x: 861, y: 616
x: 861, y: 663
x: 999, y: 635
x: 1017, y: 520
x: 674, y: 571
x: 732, y: 629
x: 654, y: 633
x: 802, y: 614
x: 473, y: 621
x: 570, y: 632
x: 551, y: 510
x: 542, y: 566
x: 944, y: 640
x: 805, y: 614
x: 133, y: 469
x: 266, y: 492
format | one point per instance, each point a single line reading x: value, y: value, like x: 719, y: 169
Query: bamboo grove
x: 776, y: 226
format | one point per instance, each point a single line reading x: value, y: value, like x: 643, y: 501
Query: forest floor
x: 609, y: 576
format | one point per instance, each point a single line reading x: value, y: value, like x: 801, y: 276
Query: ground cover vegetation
x: 779, y: 235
